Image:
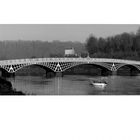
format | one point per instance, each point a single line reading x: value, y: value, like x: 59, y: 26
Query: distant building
x: 70, y: 52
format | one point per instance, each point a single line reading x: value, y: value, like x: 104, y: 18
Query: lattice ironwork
x: 113, y: 67
x: 62, y: 64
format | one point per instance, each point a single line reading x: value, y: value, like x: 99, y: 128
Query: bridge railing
x: 65, y: 59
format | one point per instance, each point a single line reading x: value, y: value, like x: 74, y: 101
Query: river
x: 76, y: 85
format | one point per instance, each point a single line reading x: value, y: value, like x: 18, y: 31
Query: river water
x: 76, y: 85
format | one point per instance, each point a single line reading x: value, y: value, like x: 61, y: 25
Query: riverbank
x: 12, y: 93
x: 6, y: 88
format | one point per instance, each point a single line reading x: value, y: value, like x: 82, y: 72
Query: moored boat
x: 98, y: 83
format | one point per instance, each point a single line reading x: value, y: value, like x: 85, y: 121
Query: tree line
x: 121, y: 46
x: 17, y: 49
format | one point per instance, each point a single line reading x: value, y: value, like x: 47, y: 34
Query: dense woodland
x: 122, y: 46
x: 31, y: 49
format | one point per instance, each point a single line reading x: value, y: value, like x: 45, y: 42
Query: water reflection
x: 76, y: 85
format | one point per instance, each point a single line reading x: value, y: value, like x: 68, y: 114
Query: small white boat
x: 98, y: 84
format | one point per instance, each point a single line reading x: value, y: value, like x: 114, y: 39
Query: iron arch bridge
x: 62, y: 64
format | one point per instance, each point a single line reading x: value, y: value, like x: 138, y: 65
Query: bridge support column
x: 59, y: 74
x: 114, y: 73
x: 12, y: 74
x: 50, y: 74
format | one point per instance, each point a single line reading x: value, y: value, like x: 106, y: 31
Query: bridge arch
x: 12, y: 69
x: 39, y: 65
x: 130, y: 65
x: 91, y: 69
x: 103, y: 65
x: 128, y: 69
x: 17, y: 67
x: 48, y: 72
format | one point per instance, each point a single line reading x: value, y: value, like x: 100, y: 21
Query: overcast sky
x: 62, y: 32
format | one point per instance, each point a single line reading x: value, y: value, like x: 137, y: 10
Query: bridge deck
x: 86, y: 60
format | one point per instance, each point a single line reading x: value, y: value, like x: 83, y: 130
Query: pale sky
x: 62, y: 32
